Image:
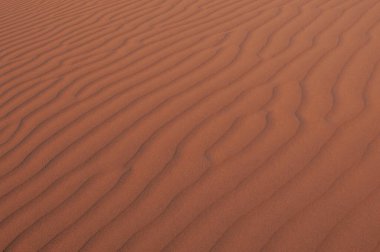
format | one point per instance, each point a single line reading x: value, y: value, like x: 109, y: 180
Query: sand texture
x: 190, y: 125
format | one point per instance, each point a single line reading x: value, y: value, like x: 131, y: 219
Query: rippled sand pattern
x: 190, y: 125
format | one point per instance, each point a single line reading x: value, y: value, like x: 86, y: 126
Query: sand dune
x: 190, y: 125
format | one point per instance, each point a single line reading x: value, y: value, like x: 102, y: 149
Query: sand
x: 190, y: 125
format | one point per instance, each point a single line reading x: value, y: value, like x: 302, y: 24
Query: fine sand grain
x: 190, y: 125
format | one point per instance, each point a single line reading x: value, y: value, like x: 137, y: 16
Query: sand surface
x: 190, y: 125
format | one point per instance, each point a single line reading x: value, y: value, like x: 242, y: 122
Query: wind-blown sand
x: 190, y: 125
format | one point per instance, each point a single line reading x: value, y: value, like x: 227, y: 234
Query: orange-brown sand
x: 190, y: 125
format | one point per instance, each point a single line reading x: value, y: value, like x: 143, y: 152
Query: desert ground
x: 190, y: 125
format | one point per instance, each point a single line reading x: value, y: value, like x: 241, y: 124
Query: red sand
x: 190, y: 125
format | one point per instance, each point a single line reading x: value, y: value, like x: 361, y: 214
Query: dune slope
x: 190, y: 125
